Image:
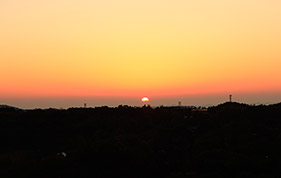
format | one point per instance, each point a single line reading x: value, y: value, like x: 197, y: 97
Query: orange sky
x: 125, y: 48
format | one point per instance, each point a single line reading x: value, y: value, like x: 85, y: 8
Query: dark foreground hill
x: 229, y: 140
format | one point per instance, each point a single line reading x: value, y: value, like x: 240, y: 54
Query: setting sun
x: 145, y: 99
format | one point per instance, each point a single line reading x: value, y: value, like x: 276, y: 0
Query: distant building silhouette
x: 179, y: 103
x: 230, y: 98
x: 85, y: 105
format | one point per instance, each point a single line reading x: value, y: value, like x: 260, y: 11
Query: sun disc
x: 145, y: 99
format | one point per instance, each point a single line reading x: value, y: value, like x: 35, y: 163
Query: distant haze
x: 199, y: 100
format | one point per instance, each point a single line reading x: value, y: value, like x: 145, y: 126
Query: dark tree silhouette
x: 228, y: 140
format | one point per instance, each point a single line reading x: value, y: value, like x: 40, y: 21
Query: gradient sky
x: 123, y: 50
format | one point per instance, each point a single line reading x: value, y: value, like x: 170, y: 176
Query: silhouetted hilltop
x: 7, y: 107
x: 231, y: 105
x: 229, y: 140
x: 276, y: 106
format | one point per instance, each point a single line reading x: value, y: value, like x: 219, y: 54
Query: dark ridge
x: 278, y: 105
x: 228, y: 140
x: 7, y: 107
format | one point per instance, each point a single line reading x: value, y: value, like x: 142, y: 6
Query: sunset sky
x: 65, y: 52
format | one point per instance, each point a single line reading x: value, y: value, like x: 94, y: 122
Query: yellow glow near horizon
x: 128, y: 48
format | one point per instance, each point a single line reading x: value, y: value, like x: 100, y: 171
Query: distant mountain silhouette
x: 278, y: 105
x: 230, y: 106
x: 9, y: 107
